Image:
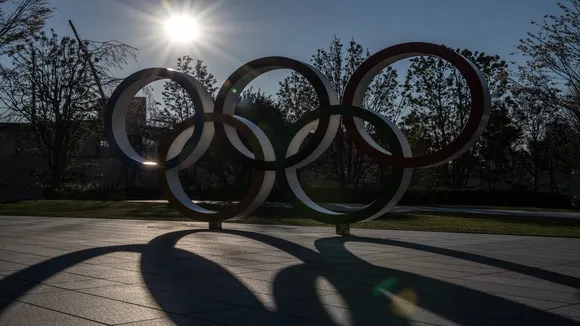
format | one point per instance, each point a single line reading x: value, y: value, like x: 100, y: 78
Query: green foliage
x: 439, y: 103
x: 342, y: 162
x: 214, y: 170
x: 82, y: 191
x: 178, y: 106
x: 177, y: 103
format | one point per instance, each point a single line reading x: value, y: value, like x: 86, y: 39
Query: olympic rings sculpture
x: 193, y: 137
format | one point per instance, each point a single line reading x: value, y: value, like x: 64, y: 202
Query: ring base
x: 215, y: 226
x: 343, y: 229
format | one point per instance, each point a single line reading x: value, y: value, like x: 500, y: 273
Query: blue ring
x: 152, y: 73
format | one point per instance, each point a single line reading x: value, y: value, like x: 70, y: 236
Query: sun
x: 182, y: 28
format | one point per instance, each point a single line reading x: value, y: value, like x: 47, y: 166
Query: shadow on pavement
x: 374, y: 295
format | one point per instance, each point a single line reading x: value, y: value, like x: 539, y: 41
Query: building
x: 20, y: 160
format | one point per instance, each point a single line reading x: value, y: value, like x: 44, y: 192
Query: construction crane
x: 129, y: 174
x: 92, y: 66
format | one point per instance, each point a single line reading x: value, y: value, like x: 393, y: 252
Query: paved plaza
x: 65, y: 271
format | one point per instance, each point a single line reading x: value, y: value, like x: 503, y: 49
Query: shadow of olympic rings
x: 355, y: 282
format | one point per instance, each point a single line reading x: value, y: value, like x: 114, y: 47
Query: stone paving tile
x: 270, y: 267
x: 12, y: 288
x: 377, y: 312
x: 250, y: 316
x: 35, y: 250
x: 92, y: 307
x: 172, y: 268
x: 20, y: 258
x: 235, y: 262
x: 6, y: 266
x: 235, y: 270
x: 519, y: 291
x: 76, y: 285
x: 535, y: 319
x: 421, y: 262
x: 427, y: 271
x: 170, y: 302
x: 565, y: 269
x: 105, y: 259
x: 137, y: 278
x: 22, y: 314
x: 227, y: 284
x: 572, y: 310
x: 38, y: 276
x: 234, y: 297
x: 531, y: 260
x: 98, y: 271
x: 262, y: 258
x: 301, y: 280
x: 534, y: 303
x: 522, y: 282
x: 173, y: 321
x: 254, y: 317
x: 386, y: 256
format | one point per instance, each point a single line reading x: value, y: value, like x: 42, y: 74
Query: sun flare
x: 182, y: 28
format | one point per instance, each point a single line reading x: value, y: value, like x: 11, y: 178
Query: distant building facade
x: 20, y: 160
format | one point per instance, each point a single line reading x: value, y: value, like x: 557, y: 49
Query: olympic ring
x: 193, y: 136
x: 262, y: 181
x: 472, y: 130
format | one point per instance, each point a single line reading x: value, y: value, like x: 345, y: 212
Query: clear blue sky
x: 241, y: 30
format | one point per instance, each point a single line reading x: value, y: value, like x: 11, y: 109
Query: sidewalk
x: 69, y: 271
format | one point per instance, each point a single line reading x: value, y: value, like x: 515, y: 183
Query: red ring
x: 473, y: 128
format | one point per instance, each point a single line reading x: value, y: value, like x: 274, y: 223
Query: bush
x: 77, y: 191
x: 324, y: 194
x: 576, y: 202
x: 483, y: 198
x: 143, y: 194
x: 413, y: 197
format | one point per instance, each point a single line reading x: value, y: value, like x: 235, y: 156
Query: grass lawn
x: 508, y: 208
x: 445, y: 222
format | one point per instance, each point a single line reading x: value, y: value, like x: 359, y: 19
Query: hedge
x: 331, y: 195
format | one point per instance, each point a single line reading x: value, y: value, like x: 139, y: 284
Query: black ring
x: 253, y: 69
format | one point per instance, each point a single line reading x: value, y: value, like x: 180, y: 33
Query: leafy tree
x: 562, y: 143
x: 178, y: 106
x: 177, y: 103
x: 263, y: 111
x: 26, y: 18
x: 534, y: 118
x: 49, y: 85
x: 496, y: 151
x: 439, y: 103
x: 343, y: 160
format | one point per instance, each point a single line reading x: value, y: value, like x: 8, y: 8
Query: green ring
x: 387, y: 191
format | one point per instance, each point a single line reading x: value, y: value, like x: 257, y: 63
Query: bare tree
x: 26, y: 18
x: 552, y: 74
x: 49, y: 84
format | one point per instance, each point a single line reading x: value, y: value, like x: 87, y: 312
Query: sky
x: 234, y: 32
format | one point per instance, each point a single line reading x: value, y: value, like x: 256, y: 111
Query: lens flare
x: 404, y: 303
x: 182, y: 28
x: 385, y: 285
